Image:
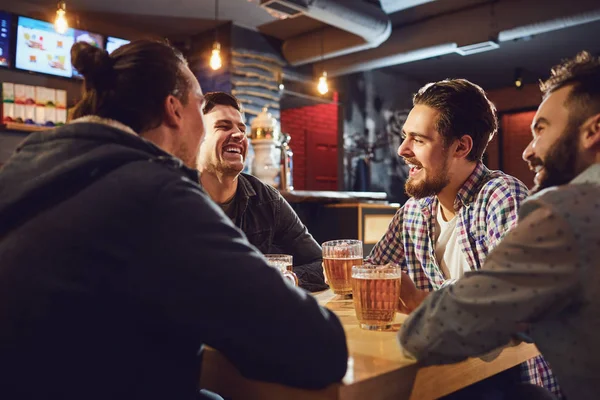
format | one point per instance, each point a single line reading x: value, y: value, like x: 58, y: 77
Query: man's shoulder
x: 569, y: 195
x: 263, y: 191
x: 501, y: 186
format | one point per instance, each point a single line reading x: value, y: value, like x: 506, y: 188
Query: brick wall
x: 309, y: 126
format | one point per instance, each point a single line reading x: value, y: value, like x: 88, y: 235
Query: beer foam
x: 377, y: 275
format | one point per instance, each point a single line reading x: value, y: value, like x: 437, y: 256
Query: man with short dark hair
x: 459, y: 210
x: 116, y: 268
x: 542, y: 279
x: 258, y: 209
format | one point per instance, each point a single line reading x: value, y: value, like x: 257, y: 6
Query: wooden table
x: 377, y: 368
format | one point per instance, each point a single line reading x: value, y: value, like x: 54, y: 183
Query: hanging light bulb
x: 60, y: 23
x: 323, y: 87
x: 215, y: 57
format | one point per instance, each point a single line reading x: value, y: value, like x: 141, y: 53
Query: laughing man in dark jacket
x: 259, y: 210
x: 116, y: 267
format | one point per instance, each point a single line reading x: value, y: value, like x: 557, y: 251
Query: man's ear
x: 173, y: 111
x: 591, y: 132
x: 464, y: 145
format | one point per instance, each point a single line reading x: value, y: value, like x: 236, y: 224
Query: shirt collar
x: 245, y: 187
x: 105, y: 121
x: 590, y: 175
x: 469, y: 190
x: 161, y: 155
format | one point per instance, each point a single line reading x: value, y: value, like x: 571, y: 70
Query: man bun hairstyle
x: 131, y: 84
x: 93, y: 63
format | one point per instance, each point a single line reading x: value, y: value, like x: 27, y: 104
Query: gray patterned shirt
x: 544, y: 275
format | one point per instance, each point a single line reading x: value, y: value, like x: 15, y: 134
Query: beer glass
x: 375, y: 291
x: 283, y: 262
x: 338, y: 258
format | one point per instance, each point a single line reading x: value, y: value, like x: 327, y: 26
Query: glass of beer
x: 338, y: 258
x: 283, y: 262
x: 375, y: 291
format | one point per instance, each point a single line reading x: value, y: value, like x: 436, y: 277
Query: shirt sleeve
x: 292, y: 237
x: 201, y: 273
x: 389, y: 249
x: 531, y: 273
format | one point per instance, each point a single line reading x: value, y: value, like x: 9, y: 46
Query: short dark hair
x: 464, y: 110
x: 212, y: 99
x: 583, y: 73
x: 131, y: 84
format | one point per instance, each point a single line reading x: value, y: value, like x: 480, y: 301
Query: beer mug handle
x: 289, y: 275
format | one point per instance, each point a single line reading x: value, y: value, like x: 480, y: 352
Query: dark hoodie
x: 115, y: 269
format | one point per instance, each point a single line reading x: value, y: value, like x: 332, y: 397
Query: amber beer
x: 376, y: 291
x: 339, y: 273
x: 338, y: 258
x: 284, y: 263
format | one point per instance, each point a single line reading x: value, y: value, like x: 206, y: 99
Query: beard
x: 560, y: 165
x: 430, y: 185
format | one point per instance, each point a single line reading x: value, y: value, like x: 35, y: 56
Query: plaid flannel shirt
x: 487, y: 208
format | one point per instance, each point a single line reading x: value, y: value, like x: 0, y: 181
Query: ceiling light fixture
x: 215, y: 56
x: 477, y: 48
x: 60, y: 23
x: 518, y: 78
x: 322, y: 86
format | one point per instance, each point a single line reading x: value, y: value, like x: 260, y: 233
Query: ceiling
x: 416, y: 23
x: 496, y: 68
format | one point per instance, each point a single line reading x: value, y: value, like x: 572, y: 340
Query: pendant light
x: 322, y: 86
x: 215, y: 56
x: 60, y: 23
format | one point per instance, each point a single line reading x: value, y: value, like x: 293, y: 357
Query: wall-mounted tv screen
x: 92, y: 38
x: 41, y: 49
x: 5, y: 33
x: 113, y: 43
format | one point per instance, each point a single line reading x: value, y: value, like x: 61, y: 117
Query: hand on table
x: 410, y: 296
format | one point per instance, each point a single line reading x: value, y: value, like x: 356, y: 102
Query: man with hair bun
x: 116, y: 267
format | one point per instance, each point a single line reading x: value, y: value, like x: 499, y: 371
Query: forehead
x: 221, y: 112
x: 422, y: 119
x: 554, y: 107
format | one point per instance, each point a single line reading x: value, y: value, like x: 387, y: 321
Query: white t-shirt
x: 447, y: 249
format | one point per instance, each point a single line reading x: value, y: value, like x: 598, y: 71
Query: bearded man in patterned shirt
x: 459, y: 210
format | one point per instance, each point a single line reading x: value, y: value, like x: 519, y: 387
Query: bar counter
x: 377, y: 368
x: 330, y: 196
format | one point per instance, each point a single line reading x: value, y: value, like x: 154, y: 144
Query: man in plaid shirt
x: 459, y: 210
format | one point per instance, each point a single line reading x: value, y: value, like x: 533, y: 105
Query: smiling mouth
x: 232, y: 150
x: 539, y: 170
x: 414, y: 169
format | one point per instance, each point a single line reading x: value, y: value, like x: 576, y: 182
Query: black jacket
x: 271, y: 225
x: 116, y: 267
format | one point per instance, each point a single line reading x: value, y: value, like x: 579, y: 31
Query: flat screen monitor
x: 113, y: 43
x: 92, y: 38
x: 41, y: 49
x: 5, y: 38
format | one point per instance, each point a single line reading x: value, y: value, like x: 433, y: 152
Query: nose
x: 405, y: 149
x: 528, y: 152
x: 238, y: 135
